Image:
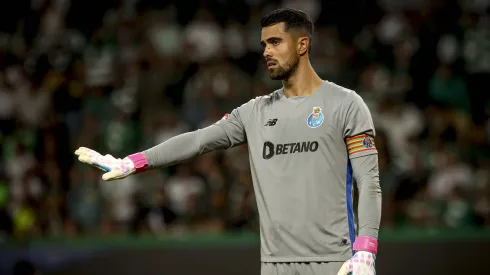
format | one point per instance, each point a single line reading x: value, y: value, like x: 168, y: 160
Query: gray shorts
x: 307, y: 268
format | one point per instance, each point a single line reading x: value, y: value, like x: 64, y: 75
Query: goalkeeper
x: 308, y: 142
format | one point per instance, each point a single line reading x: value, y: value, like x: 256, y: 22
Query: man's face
x: 280, y: 51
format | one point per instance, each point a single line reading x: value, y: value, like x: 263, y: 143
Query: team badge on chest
x: 315, y: 119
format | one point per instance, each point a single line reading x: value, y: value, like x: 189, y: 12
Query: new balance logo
x: 271, y: 122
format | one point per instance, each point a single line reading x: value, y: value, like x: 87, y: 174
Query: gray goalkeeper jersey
x: 300, y: 150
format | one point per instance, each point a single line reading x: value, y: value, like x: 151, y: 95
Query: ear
x: 303, y: 45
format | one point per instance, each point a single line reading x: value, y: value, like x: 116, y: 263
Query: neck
x: 303, y: 82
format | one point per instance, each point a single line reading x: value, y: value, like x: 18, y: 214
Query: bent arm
x: 186, y: 146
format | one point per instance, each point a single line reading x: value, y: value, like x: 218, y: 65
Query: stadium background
x: 121, y: 76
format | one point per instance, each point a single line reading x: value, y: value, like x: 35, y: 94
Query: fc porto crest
x: 315, y: 119
x: 367, y: 142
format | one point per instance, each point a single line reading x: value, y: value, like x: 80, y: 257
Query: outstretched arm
x: 226, y: 133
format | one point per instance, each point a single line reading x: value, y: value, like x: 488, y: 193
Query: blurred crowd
x: 122, y: 76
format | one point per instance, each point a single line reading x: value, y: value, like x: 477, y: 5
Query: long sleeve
x: 366, y: 173
x: 359, y: 134
x: 186, y: 146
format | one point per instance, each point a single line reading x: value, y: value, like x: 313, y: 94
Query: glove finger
x: 85, y: 159
x: 82, y: 150
x: 89, y: 152
x: 112, y: 175
x: 344, y: 270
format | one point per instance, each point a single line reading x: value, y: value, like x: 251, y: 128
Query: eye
x: 275, y: 42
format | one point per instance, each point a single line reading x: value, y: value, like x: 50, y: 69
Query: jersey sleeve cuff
x: 366, y: 243
x: 140, y: 162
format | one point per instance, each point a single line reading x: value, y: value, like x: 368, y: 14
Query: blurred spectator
x: 457, y: 210
x: 203, y: 36
x: 402, y: 123
x: 160, y: 216
x: 119, y: 208
x: 183, y: 191
x: 85, y: 201
x: 449, y: 173
x: 447, y: 89
x: 423, y: 210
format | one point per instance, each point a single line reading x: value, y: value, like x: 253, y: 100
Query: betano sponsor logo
x: 270, y: 149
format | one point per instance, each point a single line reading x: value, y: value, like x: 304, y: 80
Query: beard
x: 284, y: 72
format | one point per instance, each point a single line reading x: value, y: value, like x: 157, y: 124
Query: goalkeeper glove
x: 362, y: 263
x: 114, y: 168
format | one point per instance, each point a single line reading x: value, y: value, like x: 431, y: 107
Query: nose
x: 267, y: 53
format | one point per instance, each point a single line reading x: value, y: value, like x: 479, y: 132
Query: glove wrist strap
x: 365, y: 243
x: 140, y: 162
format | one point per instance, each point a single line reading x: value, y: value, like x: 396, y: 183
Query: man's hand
x: 114, y: 168
x: 362, y: 263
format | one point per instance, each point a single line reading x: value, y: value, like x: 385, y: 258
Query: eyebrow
x: 270, y: 39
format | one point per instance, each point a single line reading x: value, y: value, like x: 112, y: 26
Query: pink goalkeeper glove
x: 363, y: 261
x: 115, y: 168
